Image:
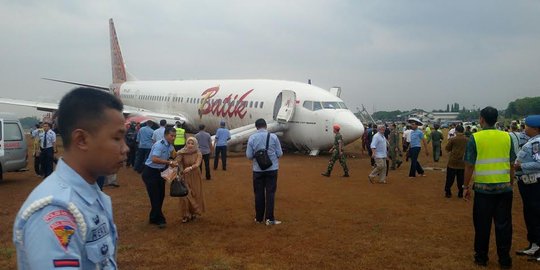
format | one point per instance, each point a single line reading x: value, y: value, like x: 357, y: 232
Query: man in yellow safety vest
x: 490, y: 157
x: 180, y: 140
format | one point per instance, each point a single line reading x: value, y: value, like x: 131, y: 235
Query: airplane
x: 301, y: 114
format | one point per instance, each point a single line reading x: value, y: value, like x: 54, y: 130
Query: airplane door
x: 1, y: 137
x: 288, y: 103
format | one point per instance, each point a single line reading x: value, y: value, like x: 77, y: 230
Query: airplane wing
x: 241, y: 134
x: 155, y: 116
x: 128, y: 110
x: 42, y: 106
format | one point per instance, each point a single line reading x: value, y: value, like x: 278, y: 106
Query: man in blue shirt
x: 67, y: 222
x: 47, y: 148
x: 222, y: 136
x: 264, y: 181
x: 144, y: 138
x: 414, y: 148
x: 159, y: 133
x: 157, y: 161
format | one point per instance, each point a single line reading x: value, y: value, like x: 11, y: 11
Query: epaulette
x: 40, y: 204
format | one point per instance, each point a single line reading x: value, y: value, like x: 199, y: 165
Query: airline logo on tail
x: 117, y: 62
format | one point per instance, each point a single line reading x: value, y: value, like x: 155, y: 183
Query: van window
x: 12, y: 132
x: 262, y: 103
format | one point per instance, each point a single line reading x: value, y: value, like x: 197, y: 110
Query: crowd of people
x: 486, y: 160
x: 68, y: 206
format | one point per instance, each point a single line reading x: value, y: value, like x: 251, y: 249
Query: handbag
x: 261, y: 156
x: 178, y: 188
x: 169, y: 174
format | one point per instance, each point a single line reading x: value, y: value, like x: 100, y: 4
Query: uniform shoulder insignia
x: 536, y: 147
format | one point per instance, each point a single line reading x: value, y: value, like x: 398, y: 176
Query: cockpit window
x: 317, y: 106
x: 330, y: 105
x: 342, y: 105
x: 308, y: 105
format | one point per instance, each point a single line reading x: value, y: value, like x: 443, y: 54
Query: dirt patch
x: 328, y: 223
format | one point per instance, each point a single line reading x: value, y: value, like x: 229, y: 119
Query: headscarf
x: 186, y: 150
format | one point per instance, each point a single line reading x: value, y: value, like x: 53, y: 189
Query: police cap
x: 533, y: 121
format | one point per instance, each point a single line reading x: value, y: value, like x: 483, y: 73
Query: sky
x: 385, y: 55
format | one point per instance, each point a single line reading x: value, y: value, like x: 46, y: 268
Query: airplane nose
x: 351, y: 127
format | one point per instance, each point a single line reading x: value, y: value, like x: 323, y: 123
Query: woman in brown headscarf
x: 189, y: 159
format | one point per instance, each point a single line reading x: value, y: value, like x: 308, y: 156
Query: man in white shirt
x: 379, y: 150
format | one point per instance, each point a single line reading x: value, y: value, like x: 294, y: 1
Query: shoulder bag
x: 261, y: 156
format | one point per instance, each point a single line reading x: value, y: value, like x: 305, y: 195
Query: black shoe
x: 346, y: 174
x: 480, y: 261
x: 505, y: 263
x: 448, y: 195
x: 325, y: 174
x: 460, y: 194
x: 162, y: 225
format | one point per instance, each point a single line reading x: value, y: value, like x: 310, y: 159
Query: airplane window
x: 262, y: 102
x: 308, y: 105
x: 251, y: 104
x: 342, y: 105
x: 317, y: 106
x: 330, y: 105
x: 256, y: 103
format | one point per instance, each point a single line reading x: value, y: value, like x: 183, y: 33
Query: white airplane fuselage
x: 241, y: 102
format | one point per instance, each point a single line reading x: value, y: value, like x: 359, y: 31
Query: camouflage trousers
x: 342, y: 160
x: 395, y: 157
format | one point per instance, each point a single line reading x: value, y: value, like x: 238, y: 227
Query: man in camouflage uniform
x: 337, y: 153
x: 393, y: 152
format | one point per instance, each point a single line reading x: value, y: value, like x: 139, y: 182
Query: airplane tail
x: 119, y: 73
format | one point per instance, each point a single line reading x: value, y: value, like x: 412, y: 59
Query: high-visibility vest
x: 180, y: 139
x: 493, y: 156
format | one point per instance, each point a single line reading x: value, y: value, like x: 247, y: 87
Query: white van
x: 13, y: 148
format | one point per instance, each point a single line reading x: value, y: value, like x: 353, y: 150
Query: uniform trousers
x: 530, y: 195
x: 436, y: 151
x: 264, y: 187
x: 451, y: 174
x: 415, y: 165
x: 206, y: 159
x: 131, y: 155
x: 142, y: 155
x: 46, y: 158
x: 223, y: 151
x: 155, y: 186
x: 493, y: 208
x: 37, y: 164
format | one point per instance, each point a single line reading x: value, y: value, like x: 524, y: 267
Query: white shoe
x: 530, y: 251
x: 272, y: 222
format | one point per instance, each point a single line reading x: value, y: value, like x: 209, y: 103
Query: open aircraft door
x: 288, y: 103
x: 1, y: 137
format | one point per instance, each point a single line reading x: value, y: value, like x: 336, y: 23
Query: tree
x: 522, y: 107
x: 28, y: 122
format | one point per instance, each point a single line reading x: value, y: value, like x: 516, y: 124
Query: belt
x: 527, y: 179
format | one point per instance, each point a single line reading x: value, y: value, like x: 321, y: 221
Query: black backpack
x: 262, y: 156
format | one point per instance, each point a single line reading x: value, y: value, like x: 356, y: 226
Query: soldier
x: 527, y: 168
x: 394, y: 151
x: 66, y: 220
x: 337, y: 153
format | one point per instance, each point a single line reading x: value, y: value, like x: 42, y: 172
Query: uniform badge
x: 96, y: 219
x: 63, y: 230
x: 104, y: 249
x: 536, y: 147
